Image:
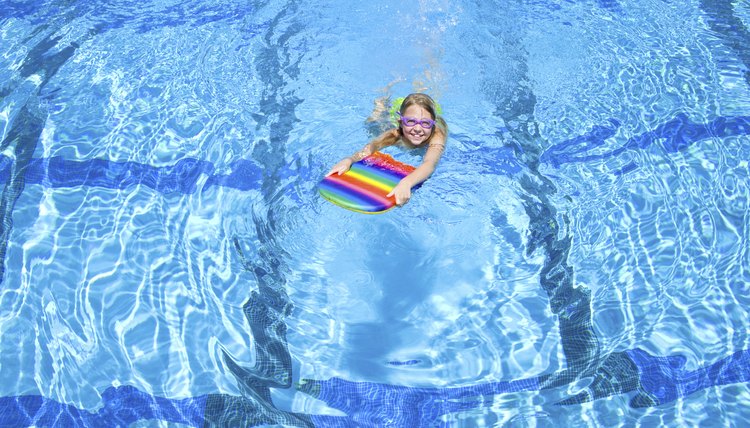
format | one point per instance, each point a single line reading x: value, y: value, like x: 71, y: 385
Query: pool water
x: 579, y: 258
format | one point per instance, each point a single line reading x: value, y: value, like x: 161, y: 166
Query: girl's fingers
x: 336, y: 170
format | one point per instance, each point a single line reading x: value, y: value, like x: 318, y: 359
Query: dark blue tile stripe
x: 674, y: 135
x: 183, y: 176
x: 649, y: 380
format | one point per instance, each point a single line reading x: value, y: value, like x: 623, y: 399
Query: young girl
x: 419, y: 125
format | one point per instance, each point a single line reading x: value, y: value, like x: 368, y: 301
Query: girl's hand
x: 402, y: 192
x: 341, y: 167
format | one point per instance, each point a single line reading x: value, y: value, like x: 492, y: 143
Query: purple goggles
x: 412, y: 121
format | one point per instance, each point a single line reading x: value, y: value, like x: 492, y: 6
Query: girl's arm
x: 402, y: 191
x: 387, y: 138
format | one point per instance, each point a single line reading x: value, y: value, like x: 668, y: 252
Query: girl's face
x: 416, y: 134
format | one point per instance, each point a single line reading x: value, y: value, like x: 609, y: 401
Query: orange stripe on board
x: 360, y: 186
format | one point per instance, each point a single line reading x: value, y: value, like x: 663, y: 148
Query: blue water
x: 580, y: 257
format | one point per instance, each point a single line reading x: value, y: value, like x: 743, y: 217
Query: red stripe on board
x: 359, y: 186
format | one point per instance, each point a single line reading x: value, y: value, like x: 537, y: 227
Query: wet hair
x: 427, y: 103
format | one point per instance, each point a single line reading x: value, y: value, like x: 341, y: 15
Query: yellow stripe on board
x: 370, y: 181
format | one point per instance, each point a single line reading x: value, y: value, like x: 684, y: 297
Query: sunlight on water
x: 582, y: 243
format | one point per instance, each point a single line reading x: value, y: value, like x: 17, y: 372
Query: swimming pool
x: 580, y: 256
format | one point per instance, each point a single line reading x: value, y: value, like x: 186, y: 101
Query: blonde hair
x: 395, y: 135
x: 427, y: 103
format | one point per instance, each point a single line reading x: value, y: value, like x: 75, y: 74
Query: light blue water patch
x: 166, y: 256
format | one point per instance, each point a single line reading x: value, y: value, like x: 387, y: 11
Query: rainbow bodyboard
x: 364, y: 187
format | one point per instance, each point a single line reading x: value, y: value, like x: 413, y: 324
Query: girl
x: 418, y: 126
